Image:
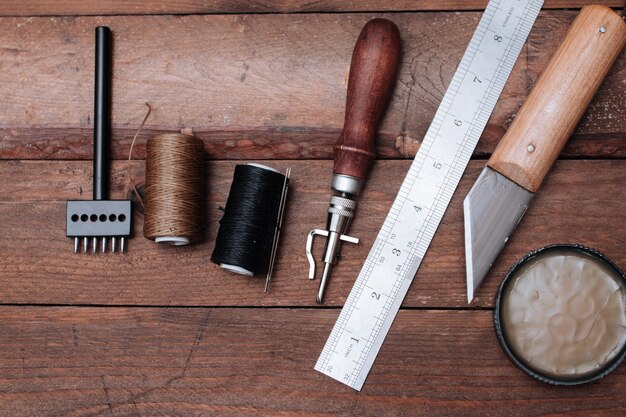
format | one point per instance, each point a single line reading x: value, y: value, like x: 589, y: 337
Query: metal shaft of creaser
x: 325, y: 276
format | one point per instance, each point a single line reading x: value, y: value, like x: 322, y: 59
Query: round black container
x: 500, y: 322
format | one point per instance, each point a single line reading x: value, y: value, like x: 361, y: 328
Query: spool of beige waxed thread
x: 561, y: 314
x: 174, y: 189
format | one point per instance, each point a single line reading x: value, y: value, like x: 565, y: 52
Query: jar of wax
x: 561, y: 314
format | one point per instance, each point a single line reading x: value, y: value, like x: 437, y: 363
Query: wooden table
x: 163, y: 331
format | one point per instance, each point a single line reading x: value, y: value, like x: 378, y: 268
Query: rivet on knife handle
x: 372, y: 75
x: 498, y: 200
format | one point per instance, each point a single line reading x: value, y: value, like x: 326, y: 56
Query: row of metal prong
x: 103, y: 245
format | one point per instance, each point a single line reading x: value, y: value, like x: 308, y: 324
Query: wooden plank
x: 580, y: 202
x: 120, y: 7
x: 234, y: 362
x: 257, y: 86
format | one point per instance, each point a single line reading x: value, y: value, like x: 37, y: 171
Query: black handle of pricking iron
x: 102, y: 114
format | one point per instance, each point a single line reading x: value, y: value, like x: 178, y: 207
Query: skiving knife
x: 522, y: 159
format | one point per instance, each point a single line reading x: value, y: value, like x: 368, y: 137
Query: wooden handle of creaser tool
x: 559, y: 98
x: 372, y: 76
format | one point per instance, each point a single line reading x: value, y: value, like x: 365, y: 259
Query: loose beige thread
x: 130, y: 154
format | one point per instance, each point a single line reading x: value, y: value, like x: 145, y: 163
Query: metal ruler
x: 426, y: 191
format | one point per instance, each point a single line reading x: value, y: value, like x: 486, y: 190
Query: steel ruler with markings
x: 426, y: 191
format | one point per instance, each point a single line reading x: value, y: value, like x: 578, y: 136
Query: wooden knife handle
x: 560, y: 97
x: 372, y: 76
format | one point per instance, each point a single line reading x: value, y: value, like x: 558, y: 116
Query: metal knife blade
x: 492, y: 210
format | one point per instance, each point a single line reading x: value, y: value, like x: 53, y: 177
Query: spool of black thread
x: 246, y: 234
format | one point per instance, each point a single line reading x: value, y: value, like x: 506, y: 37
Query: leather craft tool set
x: 502, y: 193
x: 247, y: 241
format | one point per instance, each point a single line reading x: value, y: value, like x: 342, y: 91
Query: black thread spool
x: 251, y: 218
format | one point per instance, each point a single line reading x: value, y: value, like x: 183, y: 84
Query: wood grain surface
x: 238, y: 362
x: 163, y: 331
x: 119, y: 7
x: 259, y: 86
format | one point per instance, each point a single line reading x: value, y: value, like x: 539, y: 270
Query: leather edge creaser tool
x: 100, y: 219
x: 372, y: 76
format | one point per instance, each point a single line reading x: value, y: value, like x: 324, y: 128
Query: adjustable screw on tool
x: 372, y: 76
x: 100, y: 218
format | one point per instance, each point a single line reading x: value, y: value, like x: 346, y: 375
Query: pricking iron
x: 101, y: 218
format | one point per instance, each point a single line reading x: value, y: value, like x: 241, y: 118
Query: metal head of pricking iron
x: 100, y: 219
x: 279, y: 222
